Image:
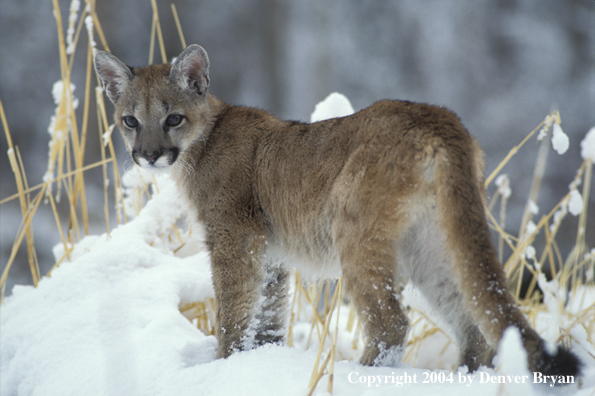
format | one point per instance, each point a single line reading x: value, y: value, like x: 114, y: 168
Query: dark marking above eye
x: 166, y: 106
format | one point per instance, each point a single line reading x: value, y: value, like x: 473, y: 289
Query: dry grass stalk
x: 515, y: 149
x: 318, y: 372
x: 156, y: 31
x: 201, y: 314
x: 178, y: 25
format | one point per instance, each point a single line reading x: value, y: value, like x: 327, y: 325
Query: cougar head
x: 161, y: 109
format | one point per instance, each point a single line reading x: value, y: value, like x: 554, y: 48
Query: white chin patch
x: 160, y: 166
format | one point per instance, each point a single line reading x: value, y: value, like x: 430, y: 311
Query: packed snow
x: 560, y: 140
x: 74, y: 8
x: 503, y: 184
x: 108, y: 321
x: 575, y: 203
x: 334, y: 105
x: 588, y: 146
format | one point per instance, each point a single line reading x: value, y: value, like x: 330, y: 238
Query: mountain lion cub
x: 391, y: 193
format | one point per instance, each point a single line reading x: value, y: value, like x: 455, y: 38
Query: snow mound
x: 335, y: 105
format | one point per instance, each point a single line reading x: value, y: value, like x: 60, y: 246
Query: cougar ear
x: 114, y: 74
x: 190, y: 70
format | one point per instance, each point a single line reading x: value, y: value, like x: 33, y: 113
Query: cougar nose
x: 153, y: 157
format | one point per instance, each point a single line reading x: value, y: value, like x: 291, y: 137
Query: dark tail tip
x: 563, y: 363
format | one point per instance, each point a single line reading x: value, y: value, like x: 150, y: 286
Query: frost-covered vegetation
x: 131, y: 311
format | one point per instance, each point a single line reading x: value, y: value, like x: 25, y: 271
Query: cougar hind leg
x: 422, y: 250
x: 368, y: 271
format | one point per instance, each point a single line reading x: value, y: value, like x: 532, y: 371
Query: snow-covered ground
x: 108, y: 321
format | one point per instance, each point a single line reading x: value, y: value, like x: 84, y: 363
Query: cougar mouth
x: 157, y: 160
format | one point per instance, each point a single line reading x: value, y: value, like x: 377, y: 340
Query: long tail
x: 459, y: 192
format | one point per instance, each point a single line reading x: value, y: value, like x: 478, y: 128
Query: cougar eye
x: 130, y: 122
x: 173, y: 120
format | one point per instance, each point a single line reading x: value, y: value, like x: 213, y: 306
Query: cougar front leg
x: 236, y: 264
x: 272, y: 315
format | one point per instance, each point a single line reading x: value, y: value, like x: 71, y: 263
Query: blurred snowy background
x: 501, y: 65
